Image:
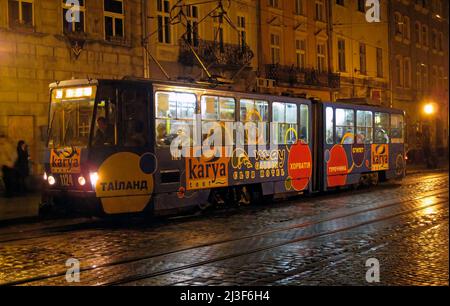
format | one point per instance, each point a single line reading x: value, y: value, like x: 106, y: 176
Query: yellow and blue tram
x: 112, y: 145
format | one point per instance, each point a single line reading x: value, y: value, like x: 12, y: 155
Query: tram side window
x: 255, y: 111
x: 329, y: 126
x: 285, y: 122
x: 106, y: 112
x: 364, y: 126
x: 345, y: 126
x: 397, y: 129
x: 219, y: 109
x: 381, y: 128
x: 135, y: 117
x: 174, y: 116
x: 304, y: 123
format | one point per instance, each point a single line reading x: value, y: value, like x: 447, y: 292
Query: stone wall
x: 31, y: 58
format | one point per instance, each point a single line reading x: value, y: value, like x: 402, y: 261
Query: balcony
x: 216, y: 55
x: 298, y: 77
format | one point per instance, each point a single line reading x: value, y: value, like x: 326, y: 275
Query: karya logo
x: 73, y: 11
x: 373, y: 12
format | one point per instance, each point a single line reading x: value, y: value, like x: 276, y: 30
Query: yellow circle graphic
x: 122, y: 185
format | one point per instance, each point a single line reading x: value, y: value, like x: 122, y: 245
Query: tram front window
x: 71, y: 114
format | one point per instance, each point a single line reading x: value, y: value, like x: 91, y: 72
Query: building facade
x: 419, y: 65
x: 295, y: 45
x: 212, y: 40
x: 38, y: 45
x: 360, y: 52
x: 322, y: 49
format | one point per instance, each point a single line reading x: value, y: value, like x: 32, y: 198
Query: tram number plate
x: 66, y: 180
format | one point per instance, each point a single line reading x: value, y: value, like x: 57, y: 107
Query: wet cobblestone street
x: 320, y: 240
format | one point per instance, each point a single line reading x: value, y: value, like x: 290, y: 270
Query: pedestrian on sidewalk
x: 22, y: 166
x: 8, y: 156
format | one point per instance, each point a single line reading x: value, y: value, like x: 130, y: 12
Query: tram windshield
x: 71, y: 114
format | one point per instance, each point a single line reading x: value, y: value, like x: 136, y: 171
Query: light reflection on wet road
x: 324, y: 240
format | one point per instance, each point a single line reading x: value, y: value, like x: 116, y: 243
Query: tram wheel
x: 374, y: 179
x: 364, y: 180
x: 256, y: 195
x: 244, y: 197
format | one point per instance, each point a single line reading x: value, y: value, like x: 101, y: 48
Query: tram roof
x: 218, y: 87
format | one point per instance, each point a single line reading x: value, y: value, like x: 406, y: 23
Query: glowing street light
x: 429, y: 109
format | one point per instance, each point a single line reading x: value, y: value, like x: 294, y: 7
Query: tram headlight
x: 81, y: 181
x: 45, y: 177
x: 51, y: 180
x: 94, y: 179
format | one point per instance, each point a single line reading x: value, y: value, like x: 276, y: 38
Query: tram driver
x: 105, y: 133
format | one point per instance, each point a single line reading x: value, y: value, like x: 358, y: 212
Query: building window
x: 424, y: 35
x: 321, y: 57
x: 425, y: 82
x: 362, y: 58
x: 407, y: 72
x: 192, y: 25
x: 441, y: 79
x: 419, y: 77
x: 299, y: 7
x: 435, y: 77
x: 398, y: 24
x: 441, y: 42
x: 300, y: 45
x: 164, y: 33
x: 274, y: 3
x: 320, y: 10
x: 275, y: 50
x: 362, y: 6
x: 21, y: 13
x: 241, y: 26
x: 74, y: 25
x: 219, y: 35
x: 340, y: 2
x: 406, y: 28
x: 418, y: 33
x: 341, y: 55
x: 398, y: 71
x: 114, y: 19
x: 379, y: 62
x: 434, y: 40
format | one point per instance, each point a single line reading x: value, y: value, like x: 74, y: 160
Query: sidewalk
x: 19, y: 207
x: 418, y: 168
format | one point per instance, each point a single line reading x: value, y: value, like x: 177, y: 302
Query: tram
x: 138, y: 146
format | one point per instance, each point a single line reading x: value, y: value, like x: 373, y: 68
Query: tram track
x: 342, y: 256
x: 53, y: 231
x: 267, y: 248
x: 439, y: 194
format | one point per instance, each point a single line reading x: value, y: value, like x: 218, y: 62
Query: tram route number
x: 66, y: 180
x: 227, y: 297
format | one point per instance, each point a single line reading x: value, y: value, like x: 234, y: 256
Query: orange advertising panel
x: 380, y: 157
x: 65, y: 161
x: 202, y: 173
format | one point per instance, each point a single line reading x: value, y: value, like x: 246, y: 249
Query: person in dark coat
x: 8, y: 156
x: 22, y: 166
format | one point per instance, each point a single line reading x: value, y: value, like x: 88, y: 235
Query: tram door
x: 339, y: 138
x: 126, y: 173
